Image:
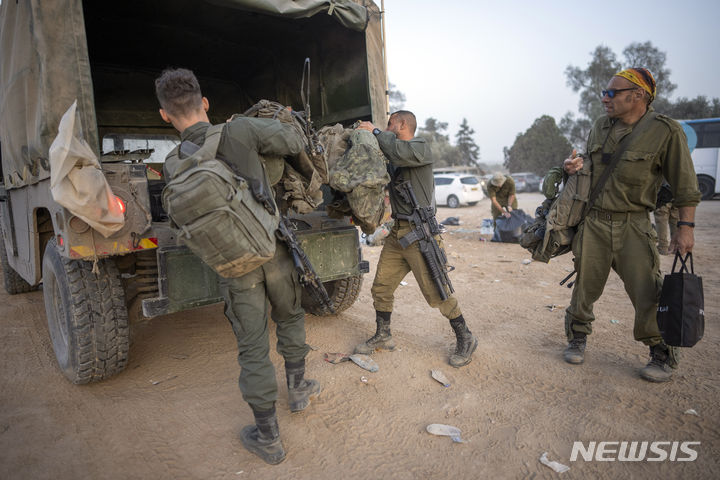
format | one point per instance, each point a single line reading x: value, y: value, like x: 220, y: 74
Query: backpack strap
x: 622, y: 146
x: 195, y: 155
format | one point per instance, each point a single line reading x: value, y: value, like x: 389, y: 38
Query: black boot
x: 382, y: 340
x: 300, y: 389
x: 575, y: 351
x: 263, y: 438
x: 466, y: 343
x: 662, y: 361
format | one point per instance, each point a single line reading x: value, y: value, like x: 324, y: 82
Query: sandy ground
x: 176, y: 411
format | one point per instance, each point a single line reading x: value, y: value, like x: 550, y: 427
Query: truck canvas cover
x: 40, y: 77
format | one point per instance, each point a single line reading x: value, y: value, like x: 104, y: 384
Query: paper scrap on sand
x: 440, y: 377
x: 445, y: 430
x: 364, y: 361
x: 558, y: 467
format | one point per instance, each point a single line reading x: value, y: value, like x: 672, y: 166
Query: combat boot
x: 466, y: 343
x: 662, y: 361
x: 300, y: 389
x: 382, y: 340
x: 263, y: 438
x: 575, y: 351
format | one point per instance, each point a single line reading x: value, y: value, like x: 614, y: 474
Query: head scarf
x: 642, y: 78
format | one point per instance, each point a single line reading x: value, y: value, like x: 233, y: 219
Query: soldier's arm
x: 403, y: 153
x: 679, y: 171
x: 268, y: 136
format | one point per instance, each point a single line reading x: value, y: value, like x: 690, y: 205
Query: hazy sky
x: 501, y: 64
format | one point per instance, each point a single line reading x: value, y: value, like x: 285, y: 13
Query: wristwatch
x: 376, y: 131
x: 687, y: 224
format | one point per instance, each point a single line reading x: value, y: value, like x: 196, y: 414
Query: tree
x: 434, y: 129
x: 603, y: 65
x: 467, y: 148
x: 688, y: 108
x: 443, y: 152
x: 396, y: 97
x: 647, y: 56
x: 592, y: 80
x: 540, y: 148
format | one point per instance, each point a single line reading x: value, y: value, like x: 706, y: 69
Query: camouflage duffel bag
x: 218, y: 217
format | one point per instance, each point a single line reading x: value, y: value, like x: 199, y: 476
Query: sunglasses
x: 613, y: 91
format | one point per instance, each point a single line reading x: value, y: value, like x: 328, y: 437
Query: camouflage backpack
x: 361, y: 174
x: 556, y: 219
x: 298, y: 179
x: 218, y: 215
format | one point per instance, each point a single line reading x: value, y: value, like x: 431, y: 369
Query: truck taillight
x: 121, y: 204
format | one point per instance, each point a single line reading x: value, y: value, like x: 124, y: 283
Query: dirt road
x: 176, y: 411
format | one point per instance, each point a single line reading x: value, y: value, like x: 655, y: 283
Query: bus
x: 703, y: 136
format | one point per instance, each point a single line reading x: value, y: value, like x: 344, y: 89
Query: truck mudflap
x: 185, y: 282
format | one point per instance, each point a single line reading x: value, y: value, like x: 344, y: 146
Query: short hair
x: 409, y: 118
x: 178, y: 91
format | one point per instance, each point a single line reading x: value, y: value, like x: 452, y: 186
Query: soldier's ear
x: 206, y: 104
x: 164, y: 116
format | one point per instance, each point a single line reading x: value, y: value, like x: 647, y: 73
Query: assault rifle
x: 424, y: 228
x: 308, y: 277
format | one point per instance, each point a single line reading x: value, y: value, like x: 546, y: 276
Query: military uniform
x: 410, y: 160
x: 502, y: 194
x: 275, y: 284
x: 617, y: 232
x: 666, y: 218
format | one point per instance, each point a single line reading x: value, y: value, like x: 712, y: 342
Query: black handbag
x: 681, y: 315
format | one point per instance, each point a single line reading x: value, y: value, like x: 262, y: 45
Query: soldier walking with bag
x: 635, y: 147
x: 249, y: 297
x: 411, y: 168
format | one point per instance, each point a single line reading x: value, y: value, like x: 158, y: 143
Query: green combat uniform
x: 666, y: 218
x: 617, y: 232
x: 502, y: 194
x: 412, y: 161
x: 274, y: 284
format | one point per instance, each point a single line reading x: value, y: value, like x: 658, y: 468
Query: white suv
x: 454, y: 190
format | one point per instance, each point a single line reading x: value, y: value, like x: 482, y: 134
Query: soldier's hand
x: 683, y: 241
x: 573, y: 164
x: 366, y: 126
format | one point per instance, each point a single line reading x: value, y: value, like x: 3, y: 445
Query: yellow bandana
x: 642, y: 78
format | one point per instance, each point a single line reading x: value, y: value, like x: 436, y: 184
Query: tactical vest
x: 556, y: 220
x: 219, y: 217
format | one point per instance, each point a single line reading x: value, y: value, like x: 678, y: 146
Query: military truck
x: 105, y: 56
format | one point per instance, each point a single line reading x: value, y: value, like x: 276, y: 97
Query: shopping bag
x: 681, y: 315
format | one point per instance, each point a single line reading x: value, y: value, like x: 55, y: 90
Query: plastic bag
x: 77, y: 182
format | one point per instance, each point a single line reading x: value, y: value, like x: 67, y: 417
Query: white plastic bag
x: 77, y: 182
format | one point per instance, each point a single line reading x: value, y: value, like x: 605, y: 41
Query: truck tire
x: 14, y: 283
x: 87, y: 317
x: 342, y: 292
x: 707, y: 186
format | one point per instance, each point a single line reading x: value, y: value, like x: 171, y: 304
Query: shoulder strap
x: 622, y: 146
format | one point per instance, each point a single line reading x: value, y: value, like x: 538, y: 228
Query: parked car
x: 526, y: 182
x: 454, y: 190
